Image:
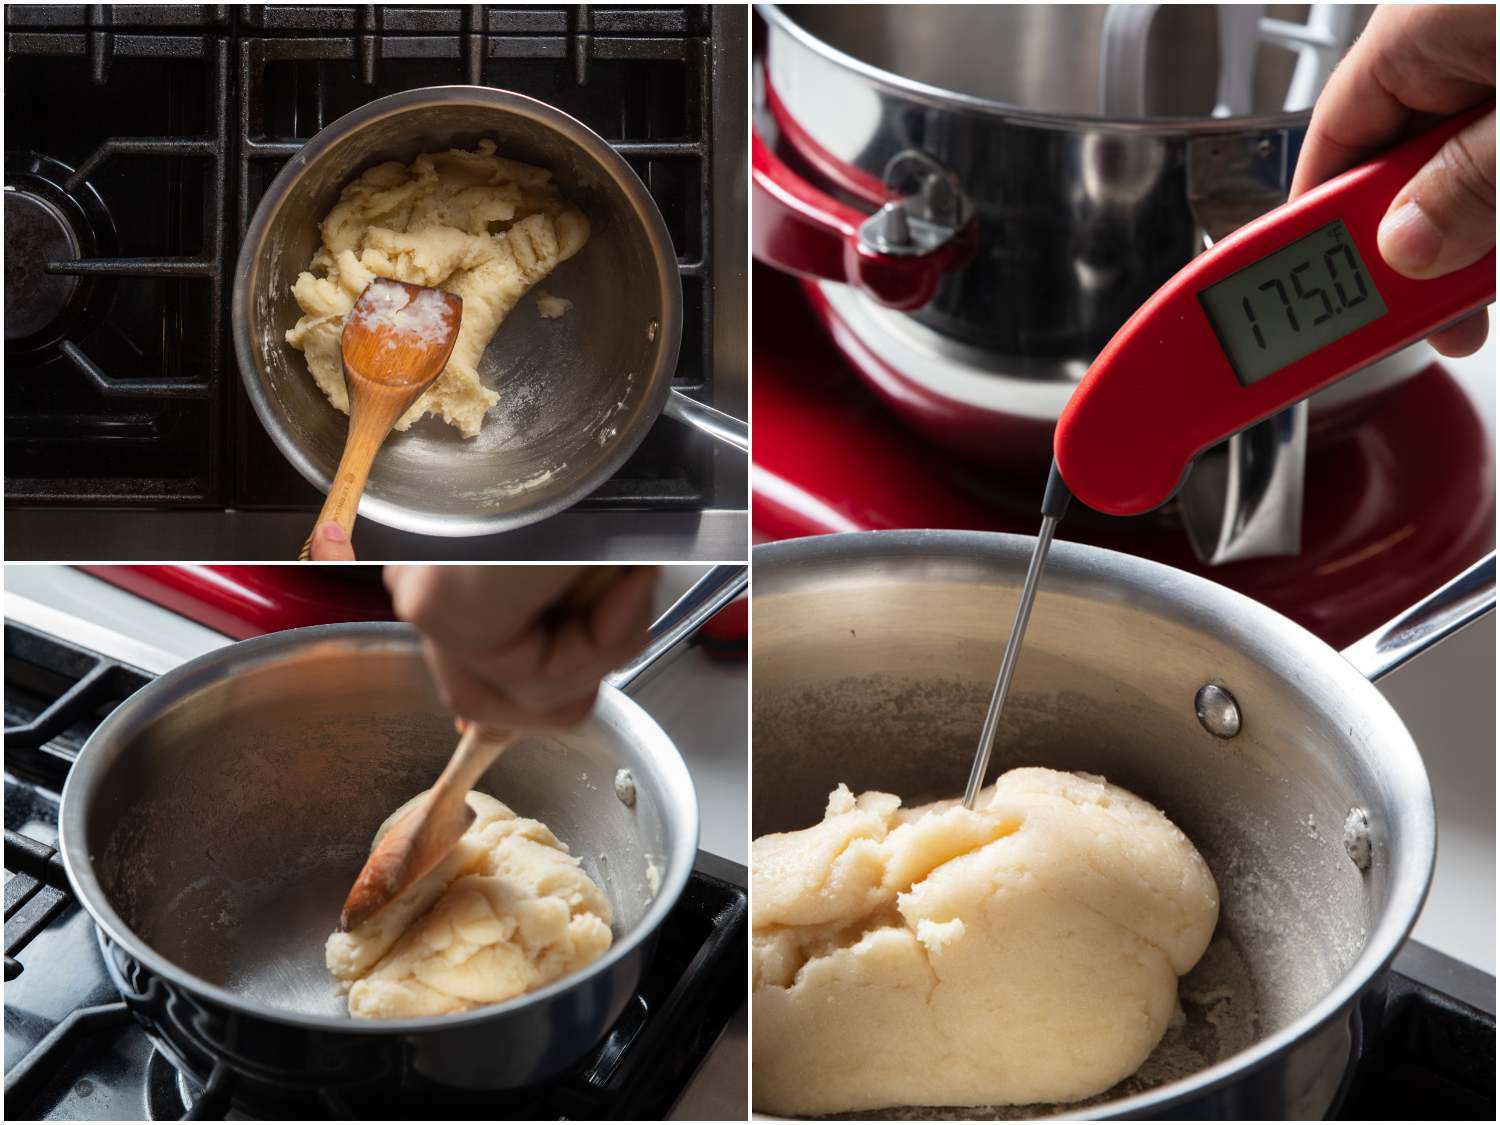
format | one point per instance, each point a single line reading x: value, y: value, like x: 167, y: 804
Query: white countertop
x: 1447, y: 700
x: 704, y: 704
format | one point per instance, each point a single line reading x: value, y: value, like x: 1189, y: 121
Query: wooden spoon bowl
x: 396, y: 342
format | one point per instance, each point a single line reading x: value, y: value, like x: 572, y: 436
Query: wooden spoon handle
x: 371, y: 417
x: 475, y: 753
x: 479, y: 746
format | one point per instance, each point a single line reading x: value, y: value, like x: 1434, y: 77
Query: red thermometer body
x: 1286, y: 305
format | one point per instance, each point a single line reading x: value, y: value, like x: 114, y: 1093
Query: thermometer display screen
x: 1292, y: 302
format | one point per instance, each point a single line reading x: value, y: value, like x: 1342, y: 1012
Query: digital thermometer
x: 1286, y: 305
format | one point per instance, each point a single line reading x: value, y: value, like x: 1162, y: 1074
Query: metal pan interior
x: 577, y: 393
x: 223, y: 831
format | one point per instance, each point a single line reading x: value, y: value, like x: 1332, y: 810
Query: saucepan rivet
x: 1357, y: 837
x: 651, y: 330
x: 1217, y: 711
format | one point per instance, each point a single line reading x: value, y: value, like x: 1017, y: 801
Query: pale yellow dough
x: 1026, y: 951
x: 508, y: 911
x: 472, y: 223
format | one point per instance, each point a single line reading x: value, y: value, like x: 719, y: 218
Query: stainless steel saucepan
x: 213, y: 823
x: 577, y: 394
x: 874, y: 658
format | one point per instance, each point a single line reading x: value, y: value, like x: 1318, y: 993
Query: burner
x: 169, y: 1094
x: 50, y: 216
x: 35, y: 233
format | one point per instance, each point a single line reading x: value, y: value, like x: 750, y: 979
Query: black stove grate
x: 129, y: 395
x: 102, y: 19
x: 440, y: 19
x: 117, y: 397
x: 54, y: 696
x: 1432, y: 1057
x: 73, y: 1049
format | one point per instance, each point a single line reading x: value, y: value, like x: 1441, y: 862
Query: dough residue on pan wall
x: 472, y: 223
x: 549, y: 307
x: 508, y: 911
x: 1027, y: 951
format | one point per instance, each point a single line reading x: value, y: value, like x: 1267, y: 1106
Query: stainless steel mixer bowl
x: 874, y: 658
x: 214, y: 822
x: 1083, y: 205
x: 577, y: 394
x: 1042, y: 59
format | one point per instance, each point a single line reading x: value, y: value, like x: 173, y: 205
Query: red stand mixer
x: 1374, y: 528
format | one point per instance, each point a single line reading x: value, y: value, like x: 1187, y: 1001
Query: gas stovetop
x: 139, y: 141
x: 74, y: 1051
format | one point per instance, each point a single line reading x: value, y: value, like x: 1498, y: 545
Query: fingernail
x: 1409, y: 241
x: 333, y: 533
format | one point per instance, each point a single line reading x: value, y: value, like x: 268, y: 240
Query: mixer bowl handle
x: 1458, y: 602
x: 893, y: 255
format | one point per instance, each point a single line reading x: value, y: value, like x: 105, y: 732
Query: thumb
x: 1444, y: 219
x: 330, y: 544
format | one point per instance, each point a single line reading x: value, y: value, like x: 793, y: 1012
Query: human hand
x: 1410, y: 64
x: 504, y: 649
x: 330, y: 544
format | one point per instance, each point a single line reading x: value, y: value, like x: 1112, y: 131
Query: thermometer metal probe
x: 1054, y: 507
x: 1289, y: 303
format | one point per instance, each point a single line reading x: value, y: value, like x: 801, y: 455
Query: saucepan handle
x: 711, y: 593
x: 800, y: 229
x: 715, y: 423
x: 1458, y: 602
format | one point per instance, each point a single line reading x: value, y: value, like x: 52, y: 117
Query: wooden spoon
x: 396, y: 342
x: 419, y: 840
